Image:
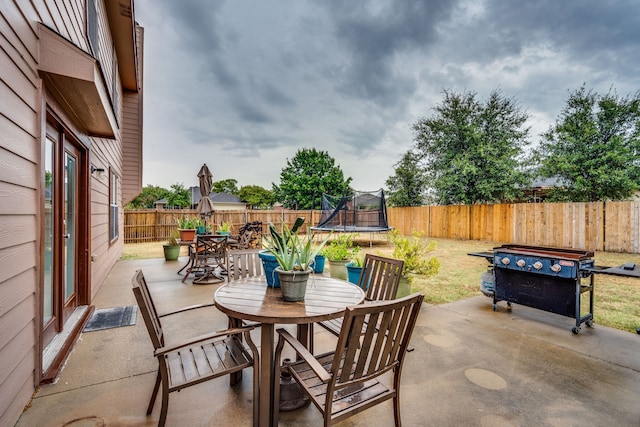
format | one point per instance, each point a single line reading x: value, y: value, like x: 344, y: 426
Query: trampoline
x: 355, y: 212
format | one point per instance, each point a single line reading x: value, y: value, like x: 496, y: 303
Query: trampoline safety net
x: 364, y: 211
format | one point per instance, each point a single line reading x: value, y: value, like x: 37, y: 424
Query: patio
x: 470, y: 367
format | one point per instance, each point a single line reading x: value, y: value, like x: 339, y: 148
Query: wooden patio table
x: 251, y: 299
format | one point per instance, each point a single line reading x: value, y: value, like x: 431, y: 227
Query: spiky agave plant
x: 292, y: 251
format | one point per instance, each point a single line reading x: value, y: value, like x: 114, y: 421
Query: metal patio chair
x: 209, y: 257
x: 373, y: 341
x: 194, y: 360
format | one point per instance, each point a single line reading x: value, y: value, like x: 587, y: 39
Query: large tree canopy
x: 407, y: 186
x: 256, y: 196
x: 471, y: 151
x: 594, y: 148
x: 179, y: 196
x: 309, y: 174
x: 229, y: 186
x: 147, y: 199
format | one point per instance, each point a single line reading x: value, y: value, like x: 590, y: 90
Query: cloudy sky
x: 243, y: 84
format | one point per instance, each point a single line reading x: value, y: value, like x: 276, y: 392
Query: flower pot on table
x: 293, y: 284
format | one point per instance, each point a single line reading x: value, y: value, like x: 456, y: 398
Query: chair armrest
x: 183, y: 309
x: 201, y: 338
x: 305, y: 355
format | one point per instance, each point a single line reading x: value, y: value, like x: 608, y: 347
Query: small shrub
x: 414, y: 251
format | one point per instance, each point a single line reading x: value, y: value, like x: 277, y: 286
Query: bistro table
x: 251, y: 299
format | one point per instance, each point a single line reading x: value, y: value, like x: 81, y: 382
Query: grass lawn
x: 617, y: 299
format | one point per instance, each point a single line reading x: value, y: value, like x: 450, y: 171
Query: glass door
x: 61, y: 236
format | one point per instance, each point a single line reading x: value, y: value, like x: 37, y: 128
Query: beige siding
x: 19, y: 157
x: 22, y: 98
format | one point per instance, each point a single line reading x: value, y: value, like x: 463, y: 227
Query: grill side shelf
x: 615, y: 271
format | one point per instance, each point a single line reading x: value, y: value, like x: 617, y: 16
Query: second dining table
x: 251, y: 299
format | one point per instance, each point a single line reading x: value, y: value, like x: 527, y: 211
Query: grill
x: 548, y: 279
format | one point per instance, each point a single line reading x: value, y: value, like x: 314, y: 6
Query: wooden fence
x: 602, y: 226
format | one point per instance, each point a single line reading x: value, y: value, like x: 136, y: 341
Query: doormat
x: 107, y: 318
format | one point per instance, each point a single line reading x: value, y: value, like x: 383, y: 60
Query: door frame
x: 65, y: 137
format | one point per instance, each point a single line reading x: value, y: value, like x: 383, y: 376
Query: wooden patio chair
x: 194, y: 360
x: 244, y: 263
x: 209, y: 255
x: 380, y: 278
x: 373, y: 341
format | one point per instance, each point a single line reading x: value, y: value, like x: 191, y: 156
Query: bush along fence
x: 601, y: 226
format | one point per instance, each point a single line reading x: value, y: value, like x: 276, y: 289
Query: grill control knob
x: 537, y: 265
x: 521, y: 263
x: 556, y: 268
x: 506, y: 261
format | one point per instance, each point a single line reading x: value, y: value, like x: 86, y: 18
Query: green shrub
x: 414, y: 251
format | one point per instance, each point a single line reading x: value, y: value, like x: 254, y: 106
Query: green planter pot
x: 293, y: 284
x: 171, y: 252
x: 338, y: 269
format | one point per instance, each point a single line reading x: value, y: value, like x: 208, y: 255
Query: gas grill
x: 549, y: 279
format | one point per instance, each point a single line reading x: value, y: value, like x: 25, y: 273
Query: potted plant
x: 338, y: 253
x: 187, y: 228
x: 318, y: 263
x: 224, y: 228
x: 200, y: 226
x: 294, y: 255
x: 354, y: 267
x: 414, y: 251
x: 172, y: 248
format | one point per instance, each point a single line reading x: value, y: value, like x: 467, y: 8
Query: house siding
x: 24, y: 99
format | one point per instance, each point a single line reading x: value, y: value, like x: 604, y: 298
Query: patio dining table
x: 251, y: 299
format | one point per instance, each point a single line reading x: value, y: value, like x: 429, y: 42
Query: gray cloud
x: 249, y: 82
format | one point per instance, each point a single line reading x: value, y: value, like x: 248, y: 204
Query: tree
x: 593, y: 148
x: 472, y: 152
x: 256, y: 196
x: 179, y: 196
x: 407, y: 186
x: 148, y: 197
x: 309, y: 174
x: 229, y: 186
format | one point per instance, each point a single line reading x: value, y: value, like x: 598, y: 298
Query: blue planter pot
x: 269, y: 264
x: 353, y: 273
x: 318, y: 264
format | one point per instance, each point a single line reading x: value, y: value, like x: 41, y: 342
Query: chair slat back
x: 380, y: 277
x: 147, y: 309
x: 245, y: 263
x: 374, y: 339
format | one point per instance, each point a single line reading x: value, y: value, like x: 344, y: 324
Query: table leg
x: 267, y: 368
x: 189, y: 260
x: 237, y: 376
x: 305, y: 336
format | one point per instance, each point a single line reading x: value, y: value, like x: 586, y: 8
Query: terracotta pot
x: 188, y: 234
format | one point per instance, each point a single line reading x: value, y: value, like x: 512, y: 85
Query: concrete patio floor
x: 471, y: 367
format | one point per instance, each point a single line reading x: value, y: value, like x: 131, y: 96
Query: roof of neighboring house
x: 215, y: 197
